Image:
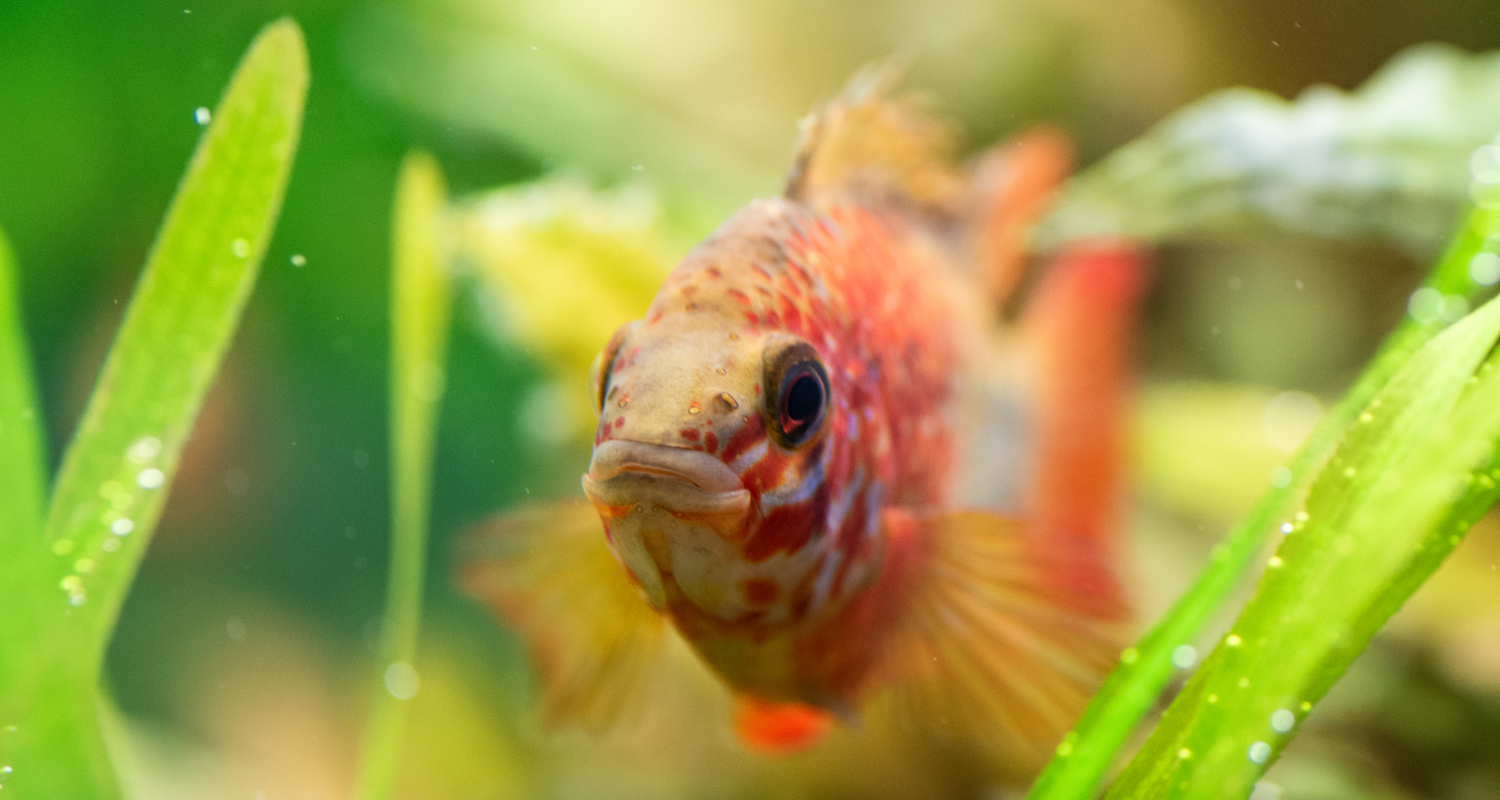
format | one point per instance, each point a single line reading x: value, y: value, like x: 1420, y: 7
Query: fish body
x: 792, y: 439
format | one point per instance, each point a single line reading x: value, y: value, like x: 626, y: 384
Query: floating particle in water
x: 240, y: 248
x: 1282, y: 720
x: 1281, y: 477
x: 122, y: 526
x: 144, y: 449
x: 201, y: 114
x: 298, y: 260
x: 151, y: 478
x: 1287, y: 527
x: 1259, y: 752
x: 235, y: 628
x: 401, y: 680
x: 1184, y: 656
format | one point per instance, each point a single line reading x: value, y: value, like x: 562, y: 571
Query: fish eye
x: 797, y: 407
x: 604, y: 363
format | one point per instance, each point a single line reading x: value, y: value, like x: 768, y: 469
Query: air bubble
x: 1260, y: 752
x: 1184, y: 753
x: 1282, y: 720
x: 151, y: 478
x: 1281, y: 477
x: 298, y: 260
x: 110, y: 545
x: 1274, y: 562
x: 240, y: 248
x: 202, y: 115
x: 1232, y: 640
x: 77, y: 599
x: 1287, y: 527
x: 401, y: 680
x: 1185, y: 656
x: 122, y: 526
x: 1484, y: 269
x: 1425, y: 305
x: 144, y: 449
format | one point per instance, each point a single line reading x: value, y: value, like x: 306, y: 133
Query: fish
x: 856, y: 451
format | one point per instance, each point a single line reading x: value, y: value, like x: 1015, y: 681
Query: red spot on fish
x: 715, y: 272
x: 751, y: 318
x: 744, y: 438
x: 710, y: 441
x: 786, y: 528
x: 690, y: 434
x: 740, y: 296
x: 759, y: 270
x: 759, y: 591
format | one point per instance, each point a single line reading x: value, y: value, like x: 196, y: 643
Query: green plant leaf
x: 22, y: 457
x: 1378, y: 519
x: 420, y: 311
x: 116, y: 471
x: 1388, y: 160
x: 1130, y: 691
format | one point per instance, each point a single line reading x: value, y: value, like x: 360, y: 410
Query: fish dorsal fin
x: 998, y: 640
x: 877, y: 148
x: 594, y: 643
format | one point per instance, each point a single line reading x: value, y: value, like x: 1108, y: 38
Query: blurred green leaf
x: 1390, y: 160
x: 420, y: 310
x: 23, y: 470
x: 1378, y: 519
x: 116, y: 471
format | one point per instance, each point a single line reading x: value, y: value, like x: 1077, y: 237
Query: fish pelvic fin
x: 776, y: 728
x: 989, y: 644
x: 878, y: 148
x: 594, y: 643
x: 1080, y: 327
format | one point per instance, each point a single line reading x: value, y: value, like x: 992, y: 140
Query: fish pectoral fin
x: 996, y: 639
x: 594, y: 643
x: 779, y: 728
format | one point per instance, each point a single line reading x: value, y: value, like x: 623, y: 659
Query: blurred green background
x: 242, y: 657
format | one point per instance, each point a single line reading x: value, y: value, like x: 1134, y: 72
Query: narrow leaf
x: 22, y: 457
x: 420, y: 309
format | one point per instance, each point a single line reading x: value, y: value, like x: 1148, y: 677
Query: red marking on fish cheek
x: 711, y: 441
x: 787, y: 528
x: 740, y: 296
x: 715, y: 272
x: 690, y: 434
x: 751, y: 317
x: 744, y: 438
x: 759, y: 591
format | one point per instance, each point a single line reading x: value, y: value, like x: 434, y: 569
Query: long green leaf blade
x: 22, y: 457
x: 1367, y: 539
x: 184, y: 312
x: 420, y: 309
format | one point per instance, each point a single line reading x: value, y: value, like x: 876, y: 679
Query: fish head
x: 708, y: 469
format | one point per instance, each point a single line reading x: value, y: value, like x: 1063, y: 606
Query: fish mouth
x: 624, y: 472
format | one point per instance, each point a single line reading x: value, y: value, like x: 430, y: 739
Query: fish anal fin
x: 1080, y: 328
x: 987, y: 646
x: 594, y: 643
x: 779, y: 728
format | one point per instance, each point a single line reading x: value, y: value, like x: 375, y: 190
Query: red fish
x: 827, y: 463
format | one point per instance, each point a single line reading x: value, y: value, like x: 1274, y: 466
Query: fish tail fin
x: 1015, y: 182
x: 984, y: 647
x: 593, y: 642
x: 777, y: 729
x: 1081, y: 328
x: 877, y: 147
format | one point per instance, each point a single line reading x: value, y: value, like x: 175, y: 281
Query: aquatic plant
x: 67, y: 562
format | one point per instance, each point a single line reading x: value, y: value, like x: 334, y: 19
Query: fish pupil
x: 804, y: 399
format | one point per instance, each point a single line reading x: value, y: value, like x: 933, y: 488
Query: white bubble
x: 298, y: 260
x: 1287, y: 527
x: 1259, y: 752
x: 151, y: 478
x: 1425, y: 305
x: 1455, y: 306
x: 1282, y: 720
x: 1289, y: 417
x: 77, y: 599
x: 110, y: 545
x: 401, y: 680
x: 1281, y: 477
x: 1484, y: 268
x: 240, y: 248
x: 1484, y: 164
x: 202, y: 115
x: 121, y: 527
x: 144, y: 449
x: 1184, y: 656
x: 235, y: 627
x: 1233, y: 640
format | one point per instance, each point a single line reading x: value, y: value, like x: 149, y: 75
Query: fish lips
x: 624, y: 472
